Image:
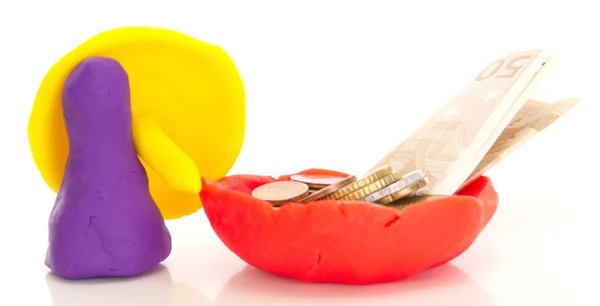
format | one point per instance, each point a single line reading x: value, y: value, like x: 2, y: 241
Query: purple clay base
x: 104, y: 221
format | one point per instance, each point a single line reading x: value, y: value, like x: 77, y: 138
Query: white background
x: 332, y: 84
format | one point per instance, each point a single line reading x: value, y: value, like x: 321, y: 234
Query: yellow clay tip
x: 164, y: 157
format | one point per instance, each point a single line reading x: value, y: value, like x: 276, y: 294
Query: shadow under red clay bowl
x: 344, y: 242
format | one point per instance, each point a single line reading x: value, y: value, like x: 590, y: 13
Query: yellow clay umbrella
x: 188, y: 109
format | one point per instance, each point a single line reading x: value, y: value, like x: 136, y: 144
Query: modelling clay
x: 344, y: 242
x: 104, y: 221
x: 188, y: 108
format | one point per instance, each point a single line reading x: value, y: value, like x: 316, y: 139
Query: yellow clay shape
x: 188, y: 108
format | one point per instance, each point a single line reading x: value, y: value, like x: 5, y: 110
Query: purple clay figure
x: 104, y: 221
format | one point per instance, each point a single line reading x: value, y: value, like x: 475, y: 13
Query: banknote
x: 534, y: 117
x: 451, y: 143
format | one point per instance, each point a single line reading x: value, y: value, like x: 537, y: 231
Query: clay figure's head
x: 95, y: 99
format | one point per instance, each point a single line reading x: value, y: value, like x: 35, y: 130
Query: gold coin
x: 328, y: 190
x: 405, y: 192
x: 281, y: 192
x: 316, y: 181
x: 377, y: 185
x: 371, y: 177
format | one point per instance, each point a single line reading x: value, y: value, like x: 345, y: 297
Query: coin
x: 281, y: 192
x: 371, y: 177
x: 377, y: 185
x: 404, y: 192
x: 407, y: 180
x: 316, y: 181
x: 328, y: 190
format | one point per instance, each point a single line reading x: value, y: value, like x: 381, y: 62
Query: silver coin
x: 407, y: 180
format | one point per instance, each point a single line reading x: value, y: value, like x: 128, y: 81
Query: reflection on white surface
x: 445, y: 285
x: 152, y: 289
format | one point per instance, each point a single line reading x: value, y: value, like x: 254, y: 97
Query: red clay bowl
x: 344, y: 242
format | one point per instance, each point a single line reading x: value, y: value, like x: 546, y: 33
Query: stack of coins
x: 399, y: 189
x: 381, y: 186
x: 301, y: 188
